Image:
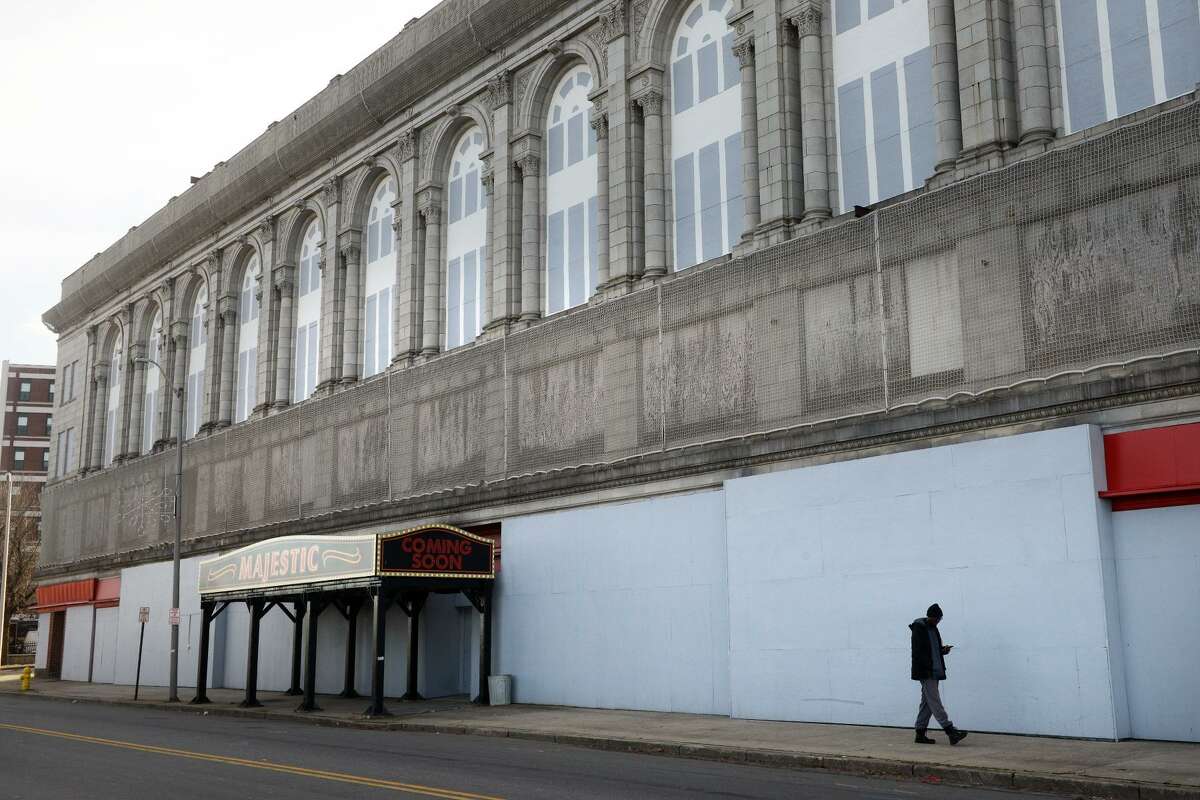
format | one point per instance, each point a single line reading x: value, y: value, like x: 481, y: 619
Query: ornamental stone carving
x: 499, y: 89
x: 612, y: 20
x: 598, y: 119
x: 651, y: 102
x: 428, y: 205
x: 807, y: 18
x: 744, y: 51
x: 329, y: 191
x: 406, y: 146
x: 266, y: 229
x: 528, y: 164
x: 637, y: 15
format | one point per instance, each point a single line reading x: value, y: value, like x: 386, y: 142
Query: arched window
x: 247, y: 333
x: 197, y: 352
x: 466, y: 240
x: 706, y: 135
x: 378, y: 281
x: 571, y: 202
x: 153, y: 376
x: 116, y: 374
x: 308, y: 315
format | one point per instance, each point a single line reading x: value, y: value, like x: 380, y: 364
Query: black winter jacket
x: 922, y: 655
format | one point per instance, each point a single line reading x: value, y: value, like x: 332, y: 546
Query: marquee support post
x: 352, y: 609
x: 206, y: 617
x: 379, y: 606
x: 297, y: 648
x: 251, y: 698
x: 485, y: 645
x: 415, y: 602
x: 309, y: 703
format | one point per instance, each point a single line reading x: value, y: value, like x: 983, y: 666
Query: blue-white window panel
x: 847, y: 14
x: 685, y: 212
x: 1179, y: 24
x: 885, y: 111
x: 370, y: 324
x: 1084, y: 78
x: 312, y: 358
x: 736, y: 205
x: 385, y: 328
x: 852, y: 132
x: 877, y: 7
x: 1131, y: 56
x: 468, y: 309
x: 472, y: 194
x: 454, y: 208
x: 681, y: 84
x: 709, y: 161
x: 575, y: 139
x: 554, y: 237
x: 554, y: 150
x: 733, y: 68
x: 591, y: 139
x: 922, y: 134
x: 300, y: 362
x: 576, y: 253
x: 593, y: 243
x: 706, y: 63
x: 454, y: 303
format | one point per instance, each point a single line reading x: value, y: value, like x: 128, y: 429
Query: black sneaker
x: 923, y: 739
x: 955, y: 735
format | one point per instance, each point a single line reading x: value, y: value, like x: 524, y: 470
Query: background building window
x: 25, y: 390
x: 883, y: 71
x: 18, y: 459
x: 378, y: 281
x: 706, y: 135
x: 22, y: 424
x: 1119, y: 56
x: 197, y: 353
x: 466, y: 240
x: 246, y: 384
x: 571, y: 173
x: 308, y: 315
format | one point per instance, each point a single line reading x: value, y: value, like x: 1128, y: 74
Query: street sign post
x: 143, y: 618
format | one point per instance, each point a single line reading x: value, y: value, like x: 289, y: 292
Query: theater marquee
x: 289, y: 560
x: 436, y: 551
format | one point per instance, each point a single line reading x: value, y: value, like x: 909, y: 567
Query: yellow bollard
x: 26, y: 676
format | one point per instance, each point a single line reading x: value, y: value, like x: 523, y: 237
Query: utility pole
x: 178, y: 392
x: 4, y: 579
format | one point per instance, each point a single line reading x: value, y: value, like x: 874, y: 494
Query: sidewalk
x: 1122, y: 770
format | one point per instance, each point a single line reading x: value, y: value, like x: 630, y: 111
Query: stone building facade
x: 572, y: 267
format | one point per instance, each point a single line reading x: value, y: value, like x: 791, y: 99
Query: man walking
x: 929, y: 667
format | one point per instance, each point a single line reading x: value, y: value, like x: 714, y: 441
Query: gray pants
x: 931, y: 705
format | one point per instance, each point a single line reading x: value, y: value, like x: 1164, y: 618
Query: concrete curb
x: 978, y: 777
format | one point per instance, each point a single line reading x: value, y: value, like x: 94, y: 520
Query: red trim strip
x: 1153, y: 467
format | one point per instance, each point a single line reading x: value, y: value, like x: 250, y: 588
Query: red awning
x: 1153, y: 468
x: 108, y: 592
x: 57, y: 596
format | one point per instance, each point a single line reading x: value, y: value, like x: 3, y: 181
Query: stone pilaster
x: 430, y: 209
x: 599, y: 123
x: 488, y: 179
x: 1033, y: 78
x: 744, y: 50
x: 986, y: 79
x: 529, y: 163
x: 137, y: 394
x: 622, y: 242
x: 329, y: 371
x: 121, y: 448
x: 99, y: 413
x: 227, y: 314
x: 504, y: 276
x: 650, y: 102
x: 89, y: 401
x: 406, y: 317
x: 350, y: 247
x: 944, y: 55
x: 208, y: 401
x: 167, y: 400
x: 807, y: 20
x: 179, y: 338
x: 793, y: 121
x: 268, y: 309
x: 283, y: 284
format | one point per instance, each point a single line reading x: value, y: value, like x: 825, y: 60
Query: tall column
x: 99, y: 414
x: 284, y: 285
x: 487, y: 263
x: 503, y: 209
x: 431, y: 318
x: 656, y: 200
x: 352, y: 309
x: 812, y: 104
x: 179, y: 334
x: 620, y: 124
x: 329, y: 370
x: 531, y: 242
x: 789, y: 53
x: 137, y: 391
x: 599, y: 123
x: 1033, y: 78
x: 89, y: 401
x: 987, y: 79
x: 124, y: 409
x: 406, y: 312
x: 947, y: 118
x: 268, y: 309
x: 744, y: 50
x: 227, y: 307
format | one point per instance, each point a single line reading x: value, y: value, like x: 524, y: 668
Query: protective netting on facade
x: 1082, y: 259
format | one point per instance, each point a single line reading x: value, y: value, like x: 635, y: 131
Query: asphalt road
x: 51, y: 749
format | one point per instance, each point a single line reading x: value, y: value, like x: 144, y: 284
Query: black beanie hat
x: 934, y: 611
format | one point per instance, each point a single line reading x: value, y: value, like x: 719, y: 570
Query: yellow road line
x: 361, y: 780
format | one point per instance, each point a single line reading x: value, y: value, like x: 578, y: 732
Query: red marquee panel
x: 1153, y: 468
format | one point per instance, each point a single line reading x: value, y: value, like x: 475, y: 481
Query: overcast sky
x: 106, y: 109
